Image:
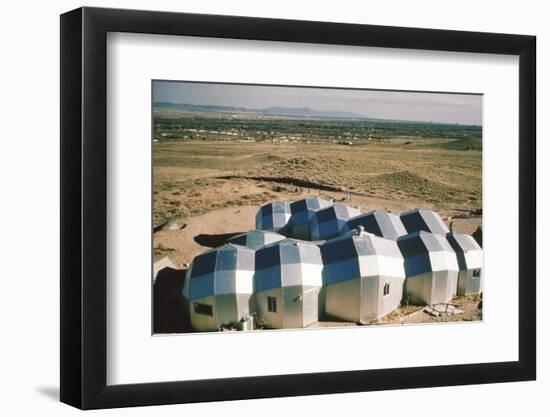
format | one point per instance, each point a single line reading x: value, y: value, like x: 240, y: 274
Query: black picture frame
x: 84, y: 207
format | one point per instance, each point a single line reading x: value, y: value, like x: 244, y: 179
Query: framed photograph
x: 257, y: 208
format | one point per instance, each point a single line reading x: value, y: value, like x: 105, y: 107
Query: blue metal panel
x: 204, y: 264
x: 246, y: 260
x: 417, y: 265
x: 338, y: 250
x: 310, y: 254
x: 341, y: 271
x: 289, y: 252
x: 201, y: 286
x: 268, y: 278
x: 267, y: 257
x: 227, y: 259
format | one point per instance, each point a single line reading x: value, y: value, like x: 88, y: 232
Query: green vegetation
x: 176, y: 124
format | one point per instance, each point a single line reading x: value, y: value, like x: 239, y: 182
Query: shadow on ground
x: 213, y: 241
x: 169, y: 309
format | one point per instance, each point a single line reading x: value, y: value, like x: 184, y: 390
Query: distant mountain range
x: 270, y: 111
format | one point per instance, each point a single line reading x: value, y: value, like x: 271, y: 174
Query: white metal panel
x: 224, y: 282
x: 343, y: 300
x: 390, y: 266
x: 440, y: 261
x: 369, y: 265
x: 474, y: 259
x: 312, y: 275
x: 291, y: 275
x: 244, y: 282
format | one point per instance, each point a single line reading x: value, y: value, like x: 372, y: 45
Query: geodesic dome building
x: 219, y: 287
x: 288, y: 280
x: 330, y: 221
x: 423, y: 220
x: 256, y: 239
x: 363, y: 276
x: 470, y: 263
x: 301, y: 213
x: 274, y: 216
x: 431, y: 268
x: 379, y: 223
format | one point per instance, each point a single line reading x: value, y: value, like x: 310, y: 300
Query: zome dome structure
x: 302, y: 213
x: 274, y: 217
x: 363, y: 277
x: 330, y: 221
x: 470, y: 263
x: 255, y: 239
x: 288, y: 280
x: 219, y: 287
x: 431, y: 267
x: 379, y: 223
x: 423, y: 220
x: 310, y: 259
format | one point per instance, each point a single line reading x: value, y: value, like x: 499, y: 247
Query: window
x: 204, y: 309
x: 476, y: 273
x: 272, y: 304
x: 386, y: 288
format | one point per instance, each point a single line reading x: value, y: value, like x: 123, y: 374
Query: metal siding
x: 290, y: 253
x: 413, y: 222
x: 368, y: 221
x: 470, y: 284
x: 267, y: 257
x: 419, y: 288
x: 226, y: 310
x: 224, y: 282
x: 200, y: 287
x: 302, y: 231
x: 268, y: 278
x: 390, y: 302
x: 417, y: 265
x: 201, y: 322
x: 273, y: 320
x: 341, y: 271
x: 245, y: 305
x: 292, y: 307
x: 411, y: 245
x: 370, y: 296
x: 310, y: 305
x: 204, y: 264
x: 434, y: 222
x: 343, y: 300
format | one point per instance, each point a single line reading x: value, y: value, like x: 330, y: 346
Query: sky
x: 382, y: 104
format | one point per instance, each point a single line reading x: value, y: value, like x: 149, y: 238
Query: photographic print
x: 278, y: 207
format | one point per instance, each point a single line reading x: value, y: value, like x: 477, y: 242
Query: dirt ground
x: 416, y: 314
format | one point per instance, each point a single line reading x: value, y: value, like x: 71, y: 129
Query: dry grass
x: 195, y: 177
